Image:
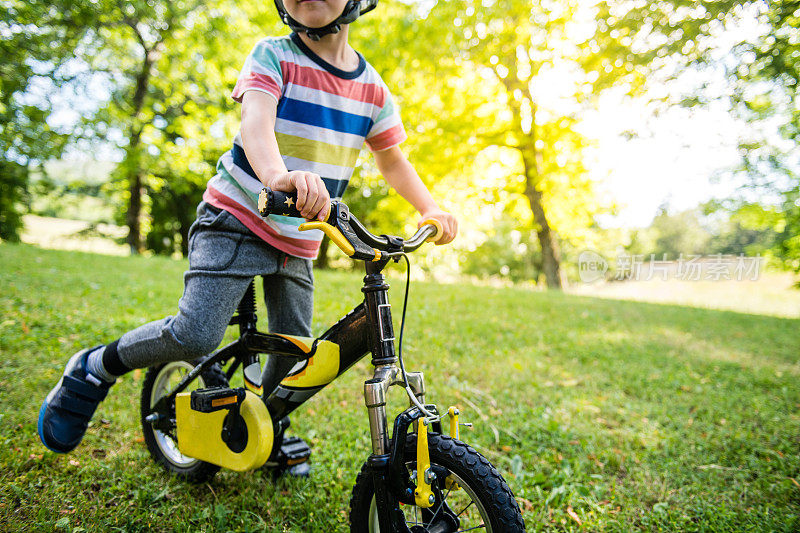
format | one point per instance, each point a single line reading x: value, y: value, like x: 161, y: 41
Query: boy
x: 309, y: 102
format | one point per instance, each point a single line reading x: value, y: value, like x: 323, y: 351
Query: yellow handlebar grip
x: 439, y: 230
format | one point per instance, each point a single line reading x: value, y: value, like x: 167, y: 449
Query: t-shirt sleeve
x: 387, y: 131
x: 261, y: 72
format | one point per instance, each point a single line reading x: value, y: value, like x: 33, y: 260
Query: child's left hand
x: 448, y: 221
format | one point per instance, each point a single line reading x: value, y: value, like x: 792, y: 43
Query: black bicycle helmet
x: 352, y: 10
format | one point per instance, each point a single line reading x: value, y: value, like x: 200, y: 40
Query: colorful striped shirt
x: 324, y: 116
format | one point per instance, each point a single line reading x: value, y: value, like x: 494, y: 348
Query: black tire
x: 162, y: 447
x: 489, y: 490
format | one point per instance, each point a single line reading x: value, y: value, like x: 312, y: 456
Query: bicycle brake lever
x: 341, y: 233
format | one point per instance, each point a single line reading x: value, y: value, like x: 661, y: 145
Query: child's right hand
x: 313, y: 200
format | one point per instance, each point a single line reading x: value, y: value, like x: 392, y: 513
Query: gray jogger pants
x: 224, y: 256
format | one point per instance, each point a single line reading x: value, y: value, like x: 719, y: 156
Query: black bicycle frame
x: 366, y: 329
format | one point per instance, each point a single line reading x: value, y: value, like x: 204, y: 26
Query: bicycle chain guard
x: 209, y: 428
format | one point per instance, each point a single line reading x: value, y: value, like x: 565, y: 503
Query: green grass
x: 621, y: 415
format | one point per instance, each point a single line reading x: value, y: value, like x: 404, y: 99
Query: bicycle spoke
x: 416, y: 520
x: 465, y: 508
x: 444, y: 498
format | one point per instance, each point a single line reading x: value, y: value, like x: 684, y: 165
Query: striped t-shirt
x: 324, y: 115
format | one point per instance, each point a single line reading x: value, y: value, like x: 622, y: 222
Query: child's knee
x: 195, y: 340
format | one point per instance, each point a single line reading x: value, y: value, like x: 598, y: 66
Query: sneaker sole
x: 40, y: 427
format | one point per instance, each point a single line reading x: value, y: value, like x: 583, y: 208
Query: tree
x: 680, y: 233
x: 169, y: 67
x: 466, y: 77
x: 768, y: 92
x: 750, y: 229
x: 662, y: 40
x: 132, y: 44
x: 36, y: 40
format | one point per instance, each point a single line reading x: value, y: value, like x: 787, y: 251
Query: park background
x: 640, y: 131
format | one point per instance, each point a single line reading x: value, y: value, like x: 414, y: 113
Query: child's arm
x: 399, y: 173
x: 261, y: 147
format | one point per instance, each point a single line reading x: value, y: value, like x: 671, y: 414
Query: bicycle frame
x: 366, y: 329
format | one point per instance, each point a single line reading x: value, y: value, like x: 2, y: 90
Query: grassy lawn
x: 602, y: 415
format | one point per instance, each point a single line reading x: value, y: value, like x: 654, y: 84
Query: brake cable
x: 431, y: 417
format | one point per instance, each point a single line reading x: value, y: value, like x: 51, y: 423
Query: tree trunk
x: 134, y: 238
x: 322, y: 259
x: 551, y: 255
x: 185, y: 220
x: 133, y: 216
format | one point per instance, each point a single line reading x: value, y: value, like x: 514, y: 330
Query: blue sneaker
x: 66, y: 411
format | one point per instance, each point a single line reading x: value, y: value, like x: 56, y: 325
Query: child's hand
x: 448, y: 221
x: 313, y: 200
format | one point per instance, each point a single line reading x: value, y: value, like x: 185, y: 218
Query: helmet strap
x: 350, y: 13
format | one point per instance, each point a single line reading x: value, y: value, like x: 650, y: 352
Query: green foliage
x: 472, y: 82
x: 73, y: 190
x: 749, y: 230
x: 635, y: 44
x: 168, y: 67
x: 768, y: 93
x: 506, y: 254
x: 172, y: 67
x: 762, y: 70
x: 36, y: 39
x: 681, y: 233
x: 466, y: 78
x: 630, y: 416
x: 790, y: 236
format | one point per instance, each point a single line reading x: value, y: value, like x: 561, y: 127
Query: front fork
x: 375, y: 399
x: 387, y: 462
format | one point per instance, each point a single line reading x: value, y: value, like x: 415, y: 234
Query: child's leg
x: 289, y: 295
x: 224, y: 256
x: 204, y: 310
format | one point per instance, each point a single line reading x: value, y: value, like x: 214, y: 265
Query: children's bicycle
x: 418, y: 479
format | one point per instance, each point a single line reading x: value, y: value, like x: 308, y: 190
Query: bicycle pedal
x: 294, y: 451
x: 291, y: 459
x: 216, y: 398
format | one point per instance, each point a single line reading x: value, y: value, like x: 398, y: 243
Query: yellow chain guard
x: 200, y: 434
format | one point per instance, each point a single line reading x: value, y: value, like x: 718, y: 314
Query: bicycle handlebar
x: 345, y: 230
x: 278, y: 203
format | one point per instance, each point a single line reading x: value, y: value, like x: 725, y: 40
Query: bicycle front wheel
x: 470, y: 493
